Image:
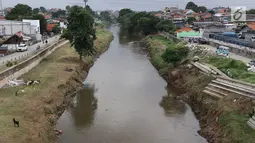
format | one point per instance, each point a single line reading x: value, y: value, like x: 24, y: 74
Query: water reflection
x: 85, y: 105
x: 125, y: 37
x: 172, y: 107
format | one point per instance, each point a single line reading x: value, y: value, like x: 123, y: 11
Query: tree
x: 56, y: 29
x: 251, y: 11
x: 124, y: 12
x: 19, y: 12
x: 212, y: 12
x: 59, y: 13
x: 166, y: 25
x: 43, y: 9
x: 36, y: 10
x: 192, y: 5
x: 67, y: 7
x: 43, y: 22
x: 90, y: 11
x: 202, y: 9
x: 105, y: 16
x: 190, y: 20
x: 81, y: 32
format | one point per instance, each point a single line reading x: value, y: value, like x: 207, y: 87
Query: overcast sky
x: 133, y: 4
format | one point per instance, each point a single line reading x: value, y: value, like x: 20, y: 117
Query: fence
x: 7, y: 73
x: 24, y: 55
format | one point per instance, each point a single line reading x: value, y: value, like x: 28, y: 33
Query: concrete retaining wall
x: 25, y: 66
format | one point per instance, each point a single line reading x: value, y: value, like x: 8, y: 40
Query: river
x: 120, y: 103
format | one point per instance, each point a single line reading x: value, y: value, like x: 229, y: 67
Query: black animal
x: 15, y: 122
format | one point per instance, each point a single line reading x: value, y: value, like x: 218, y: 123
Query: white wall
x: 34, y: 23
x: 8, y: 27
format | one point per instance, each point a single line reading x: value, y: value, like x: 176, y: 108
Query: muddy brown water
x: 120, y: 103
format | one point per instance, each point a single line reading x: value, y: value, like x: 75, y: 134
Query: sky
x: 139, y: 5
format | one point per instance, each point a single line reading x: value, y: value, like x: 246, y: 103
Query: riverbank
x: 37, y: 110
x: 221, y: 120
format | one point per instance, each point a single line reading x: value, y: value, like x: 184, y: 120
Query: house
x: 217, y: 28
x: 50, y: 27
x: 10, y: 43
x: 173, y: 9
x: 10, y: 27
x: 166, y: 10
x: 207, y: 16
x: 188, y: 11
x: 187, y: 29
x: 48, y: 16
x: 251, y: 25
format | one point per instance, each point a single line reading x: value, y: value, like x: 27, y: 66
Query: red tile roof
x: 252, y: 26
x: 183, y: 29
x: 186, y: 10
x: 2, y: 18
x: 50, y: 27
x: 47, y: 16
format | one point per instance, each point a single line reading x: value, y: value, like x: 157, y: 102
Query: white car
x: 22, y: 47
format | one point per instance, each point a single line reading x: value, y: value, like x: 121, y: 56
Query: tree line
x: 143, y: 22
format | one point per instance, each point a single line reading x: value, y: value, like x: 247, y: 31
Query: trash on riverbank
x: 251, y: 69
x: 15, y: 82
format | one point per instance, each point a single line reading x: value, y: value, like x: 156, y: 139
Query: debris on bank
x: 20, y: 82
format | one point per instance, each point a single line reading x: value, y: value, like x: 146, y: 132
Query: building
x: 173, y: 9
x: 34, y: 23
x: 9, y: 28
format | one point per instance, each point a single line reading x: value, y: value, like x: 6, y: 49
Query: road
x: 31, y: 51
x: 232, y: 55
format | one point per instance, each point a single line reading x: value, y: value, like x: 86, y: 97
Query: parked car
x: 202, y: 41
x: 222, y: 50
x: 251, y: 63
x: 22, y: 48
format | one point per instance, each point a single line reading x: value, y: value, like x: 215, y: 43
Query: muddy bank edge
x: 221, y: 121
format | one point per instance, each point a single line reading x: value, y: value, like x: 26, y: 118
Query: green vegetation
x: 143, y: 22
x: 235, y: 128
x: 175, y: 53
x: 22, y: 11
x: 233, y: 68
x: 191, y: 5
x: 19, y: 12
x: 81, y: 32
x: 165, y: 53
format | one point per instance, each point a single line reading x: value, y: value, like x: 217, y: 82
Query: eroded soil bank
x: 38, y: 108
x: 221, y: 121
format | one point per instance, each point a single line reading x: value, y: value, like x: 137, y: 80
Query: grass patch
x: 233, y: 68
x: 157, y: 45
x: 235, y: 128
x: 35, y: 109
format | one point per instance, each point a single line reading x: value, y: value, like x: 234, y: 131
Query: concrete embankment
x: 39, y: 106
x: 221, y: 120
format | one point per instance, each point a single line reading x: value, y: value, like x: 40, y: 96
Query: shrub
x: 175, y: 54
x: 9, y: 64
